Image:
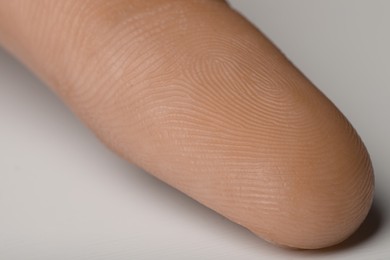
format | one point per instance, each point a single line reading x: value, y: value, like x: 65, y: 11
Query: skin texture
x: 191, y: 92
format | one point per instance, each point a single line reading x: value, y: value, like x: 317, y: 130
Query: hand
x: 194, y: 94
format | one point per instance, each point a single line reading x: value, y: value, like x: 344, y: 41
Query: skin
x: 194, y: 94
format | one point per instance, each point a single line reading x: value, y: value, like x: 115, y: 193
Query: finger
x: 194, y: 94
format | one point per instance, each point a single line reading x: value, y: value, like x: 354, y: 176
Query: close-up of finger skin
x: 194, y: 94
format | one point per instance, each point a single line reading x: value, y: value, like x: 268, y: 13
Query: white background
x: 63, y: 195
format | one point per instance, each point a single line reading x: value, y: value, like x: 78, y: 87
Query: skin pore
x: 194, y: 94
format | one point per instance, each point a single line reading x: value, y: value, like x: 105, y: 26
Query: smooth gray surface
x: 63, y: 195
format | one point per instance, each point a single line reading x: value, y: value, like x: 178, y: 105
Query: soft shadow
x: 370, y: 226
